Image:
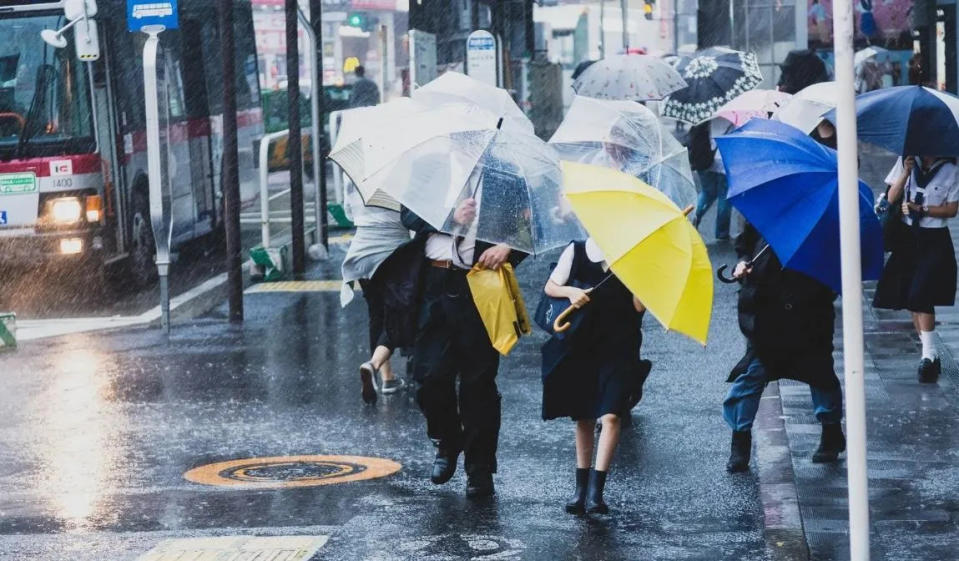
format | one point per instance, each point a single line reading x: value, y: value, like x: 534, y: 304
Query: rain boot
x: 594, y: 494
x: 831, y: 444
x: 929, y: 371
x: 739, y: 452
x: 577, y: 504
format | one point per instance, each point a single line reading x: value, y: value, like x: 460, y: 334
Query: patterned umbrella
x: 629, y: 77
x: 715, y: 76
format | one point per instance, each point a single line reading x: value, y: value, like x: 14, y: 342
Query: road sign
x: 143, y: 13
x: 422, y: 57
x: 3, y: 217
x: 481, y: 57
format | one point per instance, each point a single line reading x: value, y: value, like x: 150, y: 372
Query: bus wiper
x: 45, y: 77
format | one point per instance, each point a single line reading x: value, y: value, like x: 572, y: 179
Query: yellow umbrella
x: 648, y: 242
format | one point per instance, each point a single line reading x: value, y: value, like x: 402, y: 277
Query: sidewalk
x: 913, y: 441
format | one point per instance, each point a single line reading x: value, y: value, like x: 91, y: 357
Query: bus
x: 73, y: 164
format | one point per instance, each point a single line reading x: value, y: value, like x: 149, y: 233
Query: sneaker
x: 367, y: 379
x: 388, y: 387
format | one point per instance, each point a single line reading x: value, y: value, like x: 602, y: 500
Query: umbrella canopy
x: 455, y: 87
x: 754, y: 103
x: 805, y: 109
x: 800, y: 69
x: 649, y: 244
x: 715, y: 76
x: 628, y: 137
x: 786, y: 184
x: 629, y: 77
x: 515, y: 179
x: 871, y: 52
x: 908, y: 120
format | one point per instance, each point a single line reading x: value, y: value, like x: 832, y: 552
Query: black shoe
x: 594, y: 494
x: 479, y: 484
x: 577, y: 504
x: 739, y: 451
x: 367, y: 375
x: 831, y: 444
x: 929, y: 371
x: 444, y: 466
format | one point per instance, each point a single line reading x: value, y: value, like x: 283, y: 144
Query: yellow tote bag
x: 500, y: 304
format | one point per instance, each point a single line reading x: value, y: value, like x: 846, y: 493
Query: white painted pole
x: 624, y: 14
x: 851, y: 283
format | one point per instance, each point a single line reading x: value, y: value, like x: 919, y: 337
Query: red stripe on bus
x: 83, y: 163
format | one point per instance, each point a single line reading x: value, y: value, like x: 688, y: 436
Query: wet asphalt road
x: 97, y: 431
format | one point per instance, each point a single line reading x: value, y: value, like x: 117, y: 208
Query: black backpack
x: 701, y: 152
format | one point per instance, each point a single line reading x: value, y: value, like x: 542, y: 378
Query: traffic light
x: 358, y: 20
x: 648, y: 6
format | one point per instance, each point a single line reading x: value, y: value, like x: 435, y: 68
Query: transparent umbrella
x: 628, y: 137
x: 455, y: 87
x: 514, y: 178
x: 629, y: 77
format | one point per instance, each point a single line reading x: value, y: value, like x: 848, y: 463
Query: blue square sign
x: 3, y: 217
x: 141, y: 13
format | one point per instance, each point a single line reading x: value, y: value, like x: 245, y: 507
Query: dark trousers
x: 375, y: 305
x: 452, y: 342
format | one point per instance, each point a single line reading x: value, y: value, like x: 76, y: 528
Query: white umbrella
x: 454, y: 87
x: 629, y: 77
x: 754, y: 103
x: 869, y: 52
x: 805, y: 109
x: 626, y: 136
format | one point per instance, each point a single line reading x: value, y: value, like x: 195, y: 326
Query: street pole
x: 316, y: 99
x: 294, y: 143
x: 602, y: 28
x: 230, y: 176
x: 624, y: 9
x: 852, y: 336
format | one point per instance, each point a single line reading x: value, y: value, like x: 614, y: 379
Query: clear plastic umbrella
x: 628, y: 137
x: 629, y: 77
x: 454, y: 87
x: 514, y: 178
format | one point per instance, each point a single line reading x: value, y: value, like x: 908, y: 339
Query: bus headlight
x: 66, y: 210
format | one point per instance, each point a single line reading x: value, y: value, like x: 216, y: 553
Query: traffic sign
x: 481, y: 57
x: 143, y: 13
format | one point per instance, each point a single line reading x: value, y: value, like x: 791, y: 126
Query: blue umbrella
x: 908, y: 120
x: 786, y: 184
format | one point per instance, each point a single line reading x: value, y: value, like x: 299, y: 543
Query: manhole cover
x: 291, y: 471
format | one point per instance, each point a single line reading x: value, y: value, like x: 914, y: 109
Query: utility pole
x: 602, y: 29
x: 849, y: 240
x: 294, y: 143
x: 323, y: 220
x: 624, y: 10
x: 230, y: 177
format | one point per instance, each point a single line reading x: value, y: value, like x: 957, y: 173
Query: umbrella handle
x: 723, y: 278
x: 560, y: 325
x: 687, y: 210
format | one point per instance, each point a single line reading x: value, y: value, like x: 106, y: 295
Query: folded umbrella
x: 805, y: 109
x: 754, y: 103
x: 715, y: 76
x: 626, y: 136
x: 633, y: 77
x: 908, y: 120
x: 786, y: 185
x: 649, y: 244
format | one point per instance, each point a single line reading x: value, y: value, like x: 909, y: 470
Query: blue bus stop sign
x: 141, y: 13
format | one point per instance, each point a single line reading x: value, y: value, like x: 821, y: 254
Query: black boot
x: 479, y: 484
x: 444, y: 466
x: 929, y: 371
x: 594, y: 495
x: 577, y: 504
x: 831, y: 444
x: 739, y: 452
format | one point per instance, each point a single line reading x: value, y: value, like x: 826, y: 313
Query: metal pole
x: 851, y: 283
x: 316, y: 16
x: 602, y: 29
x: 624, y: 10
x: 230, y: 176
x: 316, y: 128
x: 294, y: 144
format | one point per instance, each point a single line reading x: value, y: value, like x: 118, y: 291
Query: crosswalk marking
x: 296, y: 286
x: 236, y: 548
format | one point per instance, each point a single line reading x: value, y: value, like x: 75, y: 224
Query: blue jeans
x: 742, y: 400
x: 713, y: 187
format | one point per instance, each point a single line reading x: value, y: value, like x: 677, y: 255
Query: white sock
x: 928, y: 339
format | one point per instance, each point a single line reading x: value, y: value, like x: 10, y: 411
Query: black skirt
x: 920, y: 274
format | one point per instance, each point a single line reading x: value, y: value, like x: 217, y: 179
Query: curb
x: 783, y: 526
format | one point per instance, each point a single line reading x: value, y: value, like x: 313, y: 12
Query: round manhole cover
x: 291, y: 471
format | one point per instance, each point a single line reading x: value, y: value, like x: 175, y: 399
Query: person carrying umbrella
x: 596, y: 373
x: 921, y: 271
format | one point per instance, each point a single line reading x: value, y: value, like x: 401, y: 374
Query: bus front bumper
x: 27, y: 247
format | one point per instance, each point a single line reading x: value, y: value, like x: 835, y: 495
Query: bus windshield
x: 44, y: 92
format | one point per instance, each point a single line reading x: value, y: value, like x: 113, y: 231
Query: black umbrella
x: 715, y: 76
x: 800, y: 69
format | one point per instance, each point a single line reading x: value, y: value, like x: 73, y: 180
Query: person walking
x: 452, y: 343
x: 788, y: 321
x: 379, y: 232
x: 365, y: 91
x: 921, y: 271
x: 704, y: 160
x: 595, y: 373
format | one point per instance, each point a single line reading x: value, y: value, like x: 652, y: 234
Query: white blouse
x: 943, y: 188
x: 564, y: 266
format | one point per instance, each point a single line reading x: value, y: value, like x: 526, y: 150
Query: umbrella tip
x: 499, y: 125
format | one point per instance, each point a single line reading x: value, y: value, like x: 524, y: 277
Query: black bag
x: 400, y: 277
x: 701, y: 152
x: 548, y: 308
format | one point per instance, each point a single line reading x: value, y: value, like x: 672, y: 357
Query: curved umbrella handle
x: 723, y: 278
x: 560, y: 325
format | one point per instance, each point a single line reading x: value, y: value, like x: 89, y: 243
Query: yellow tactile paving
x: 291, y: 471
x: 297, y: 286
x: 236, y: 548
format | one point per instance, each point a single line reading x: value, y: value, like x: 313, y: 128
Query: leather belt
x: 441, y: 264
